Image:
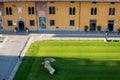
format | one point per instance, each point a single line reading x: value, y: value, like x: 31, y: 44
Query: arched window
x: 31, y: 10
x: 93, y: 11
x: 8, y: 11
x: 111, y: 11
x: 72, y: 11
x: 51, y: 10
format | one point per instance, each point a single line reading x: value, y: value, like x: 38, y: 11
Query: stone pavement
x: 9, y: 53
x: 37, y: 37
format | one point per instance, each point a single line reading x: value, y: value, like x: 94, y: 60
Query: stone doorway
x: 42, y: 22
x: 21, y: 26
x: 93, y: 25
x: 111, y: 25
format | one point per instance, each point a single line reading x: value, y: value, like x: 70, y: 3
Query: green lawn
x: 75, y: 60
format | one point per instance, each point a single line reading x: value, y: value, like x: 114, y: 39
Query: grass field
x: 75, y: 60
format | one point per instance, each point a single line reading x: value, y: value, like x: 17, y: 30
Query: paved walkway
x: 9, y: 52
x: 57, y: 32
x: 37, y: 37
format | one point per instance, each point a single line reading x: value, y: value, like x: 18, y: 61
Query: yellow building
x: 20, y: 15
x: 63, y: 18
x: 60, y: 14
x: 91, y: 14
x: 105, y: 14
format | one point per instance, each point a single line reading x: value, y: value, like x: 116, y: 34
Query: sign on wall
x: 19, y: 9
x: 41, y: 13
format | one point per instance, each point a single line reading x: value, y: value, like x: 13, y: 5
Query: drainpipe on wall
x: 79, y: 14
x: 36, y: 16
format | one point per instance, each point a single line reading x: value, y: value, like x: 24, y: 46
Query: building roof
x: 63, y: 0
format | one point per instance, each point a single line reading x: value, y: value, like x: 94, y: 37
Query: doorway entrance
x: 92, y: 25
x: 21, y: 26
x: 111, y: 25
x: 42, y: 22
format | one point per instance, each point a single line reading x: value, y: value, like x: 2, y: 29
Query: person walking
x: 106, y: 35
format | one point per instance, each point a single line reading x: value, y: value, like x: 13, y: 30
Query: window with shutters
x: 93, y: 11
x: 51, y: 10
x: 8, y: 11
x: 72, y: 11
x: 31, y: 10
x: 111, y: 11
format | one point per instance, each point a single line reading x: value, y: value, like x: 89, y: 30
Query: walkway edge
x: 3, y: 41
x: 28, y: 42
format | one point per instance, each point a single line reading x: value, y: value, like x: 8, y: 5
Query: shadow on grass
x: 69, y: 69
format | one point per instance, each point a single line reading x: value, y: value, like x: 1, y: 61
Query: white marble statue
x: 48, y: 66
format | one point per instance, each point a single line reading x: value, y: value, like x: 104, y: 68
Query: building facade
x: 1, y: 15
x: 59, y: 14
x: 20, y: 15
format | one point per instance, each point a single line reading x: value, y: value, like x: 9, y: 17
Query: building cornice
x: 62, y: 0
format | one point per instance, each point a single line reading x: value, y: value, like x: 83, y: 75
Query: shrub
x: 86, y: 28
x: 99, y: 28
x: 118, y: 30
x: 26, y: 28
x: 16, y: 28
